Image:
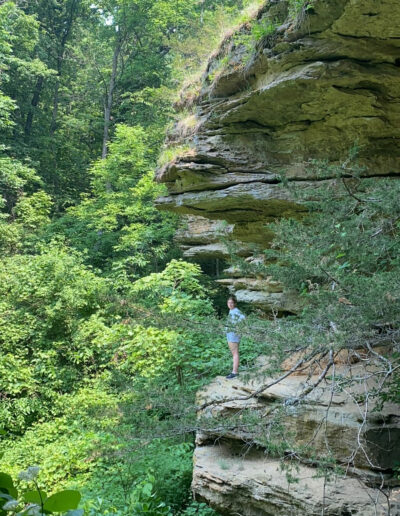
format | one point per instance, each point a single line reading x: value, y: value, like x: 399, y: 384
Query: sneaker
x: 231, y: 375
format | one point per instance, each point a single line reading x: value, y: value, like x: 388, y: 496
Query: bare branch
x: 265, y: 386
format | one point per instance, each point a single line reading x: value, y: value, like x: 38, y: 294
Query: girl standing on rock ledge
x: 235, y: 315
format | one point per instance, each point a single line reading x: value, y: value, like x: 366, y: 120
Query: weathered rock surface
x: 255, y: 485
x: 234, y: 473
x: 264, y: 293
x: 310, y: 90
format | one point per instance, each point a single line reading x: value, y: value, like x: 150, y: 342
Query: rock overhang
x: 310, y: 92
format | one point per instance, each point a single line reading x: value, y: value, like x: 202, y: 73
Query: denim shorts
x: 233, y: 337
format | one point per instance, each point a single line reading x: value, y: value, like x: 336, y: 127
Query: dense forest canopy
x: 106, y: 333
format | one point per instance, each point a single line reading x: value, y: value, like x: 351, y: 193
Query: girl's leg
x: 234, y: 347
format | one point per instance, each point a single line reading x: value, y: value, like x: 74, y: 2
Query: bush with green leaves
x: 23, y: 212
x: 33, y: 501
x: 177, y: 289
x: 117, y: 225
x: 144, y: 472
x: 47, y: 302
x: 66, y: 446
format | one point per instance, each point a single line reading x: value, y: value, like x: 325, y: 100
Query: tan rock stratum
x: 237, y: 473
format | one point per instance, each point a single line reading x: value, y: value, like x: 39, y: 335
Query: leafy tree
x: 118, y: 225
x: 138, y: 31
x: 96, y: 315
x: 44, y: 301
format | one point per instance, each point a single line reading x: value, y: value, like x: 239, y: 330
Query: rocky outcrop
x: 307, y: 90
x: 283, y: 101
x: 256, y: 486
x: 237, y: 472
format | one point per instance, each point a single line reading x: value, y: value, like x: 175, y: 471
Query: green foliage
x: 263, y: 28
x: 147, y: 351
x: 117, y: 226
x: 44, y: 300
x: 173, y: 153
x: 143, y: 499
x: 35, y: 502
x: 33, y: 212
x: 14, y: 178
x: 65, y: 446
x: 132, y: 481
x: 7, y: 107
x: 176, y: 290
x: 242, y: 40
x: 18, y: 37
x: 198, y: 509
x: 88, y: 322
x: 296, y: 7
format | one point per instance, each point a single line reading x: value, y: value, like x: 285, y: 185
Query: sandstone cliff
x: 236, y: 473
x: 270, y: 108
x: 308, y: 89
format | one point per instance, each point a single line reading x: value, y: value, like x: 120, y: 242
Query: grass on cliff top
x: 257, y: 24
x: 222, y: 30
x: 193, y: 54
x: 172, y: 153
x: 243, y: 27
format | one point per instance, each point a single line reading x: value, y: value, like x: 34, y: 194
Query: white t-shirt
x: 235, y: 315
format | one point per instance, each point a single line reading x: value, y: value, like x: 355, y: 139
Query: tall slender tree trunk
x: 34, y: 103
x: 73, y: 12
x: 53, y: 125
x: 109, y: 97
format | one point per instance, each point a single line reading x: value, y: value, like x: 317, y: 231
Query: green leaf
x: 76, y: 512
x: 35, y: 497
x: 6, y: 480
x: 4, y: 498
x: 7, y: 484
x: 62, y: 501
x: 147, y: 488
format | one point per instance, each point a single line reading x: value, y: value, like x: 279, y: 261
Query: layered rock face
x: 236, y: 474
x: 309, y: 90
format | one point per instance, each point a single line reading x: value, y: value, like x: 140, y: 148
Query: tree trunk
x: 34, y: 103
x: 109, y: 97
x: 53, y: 125
x: 60, y: 60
